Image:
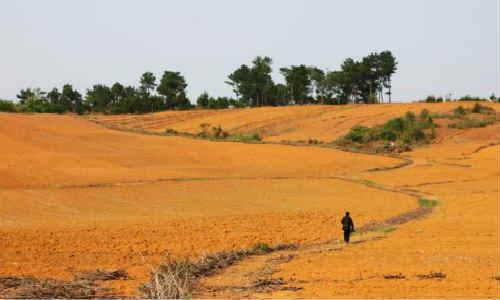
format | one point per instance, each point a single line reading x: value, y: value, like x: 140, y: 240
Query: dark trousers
x: 347, y: 234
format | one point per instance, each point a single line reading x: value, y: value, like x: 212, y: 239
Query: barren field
x: 76, y: 195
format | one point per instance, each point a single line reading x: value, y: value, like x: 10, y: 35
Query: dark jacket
x: 347, y: 224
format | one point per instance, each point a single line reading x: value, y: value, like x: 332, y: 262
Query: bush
x: 388, y: 135
x: 408, y: 129
x: 460, y: 111
x: 476, y: 108
x: 410, y: 117
x: 360, y: 134
x: 398, y: 125
x: 424, y: 114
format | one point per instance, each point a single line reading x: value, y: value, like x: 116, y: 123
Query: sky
x: 441, y: 46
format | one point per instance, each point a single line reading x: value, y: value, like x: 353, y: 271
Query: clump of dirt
x: 394, y: 276
x: 432, y: 275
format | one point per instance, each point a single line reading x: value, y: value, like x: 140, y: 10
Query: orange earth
x: 75, y: 195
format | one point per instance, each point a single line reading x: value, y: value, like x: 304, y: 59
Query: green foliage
x: 427, y: 203
x: 6, y: 105
x: 408, y: 130
x: 298, y: 81
x: 261, y: 248
x: 471, y: 98
x: 433, y: 99
x: 360, y: 134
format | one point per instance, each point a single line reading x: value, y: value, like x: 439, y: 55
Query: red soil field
x: 75, y: 195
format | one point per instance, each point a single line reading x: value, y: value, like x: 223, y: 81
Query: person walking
x: 347, y: 226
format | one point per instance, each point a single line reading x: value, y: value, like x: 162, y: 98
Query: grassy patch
x: 242, y: 137
x: 476, y: 117
x: 427, y: 203
x: 385, y: 228
x: 466, y: 123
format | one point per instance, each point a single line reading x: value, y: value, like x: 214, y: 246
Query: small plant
x: 171, y: 131
x: 261, y: 248
x: 427, y: 203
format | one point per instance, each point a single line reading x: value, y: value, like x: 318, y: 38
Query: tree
x: 148, y: 82
x: 71, y: 99
x: 298, y: 82
x: 118, y: 93
x: 24, y: 94
x: 172, y: 87
x: 318, y: 79
x: 241, y: 82
x: 54, y: 96
x: 254, y: 85
x: 203, y: 100
x: 99, y: 98
x: 388, y: 66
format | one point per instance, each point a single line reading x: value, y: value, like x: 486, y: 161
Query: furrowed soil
x: 76, y: 196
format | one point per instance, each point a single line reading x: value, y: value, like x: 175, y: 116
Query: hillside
x: 76, y: 195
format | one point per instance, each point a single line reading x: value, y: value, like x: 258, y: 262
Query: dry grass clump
x: 432, y: 275
x: 173, y: 279
x: 394, y: 276
x: 177, y: 278
x: 30, y: 287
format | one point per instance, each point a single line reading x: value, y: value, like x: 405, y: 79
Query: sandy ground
x: 77, y: 196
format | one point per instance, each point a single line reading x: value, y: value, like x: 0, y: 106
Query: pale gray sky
x: 445, y: 46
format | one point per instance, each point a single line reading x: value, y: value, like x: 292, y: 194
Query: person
x: 347, y: 226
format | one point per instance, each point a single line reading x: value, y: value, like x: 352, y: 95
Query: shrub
x: 410, y: 117
x: 459, y: 111
x: 476, y: 108
x: 388, y: 135
x: 360, y: 134
x: 217, y: 131
x: 171, y: 131
x: 397, y: 124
